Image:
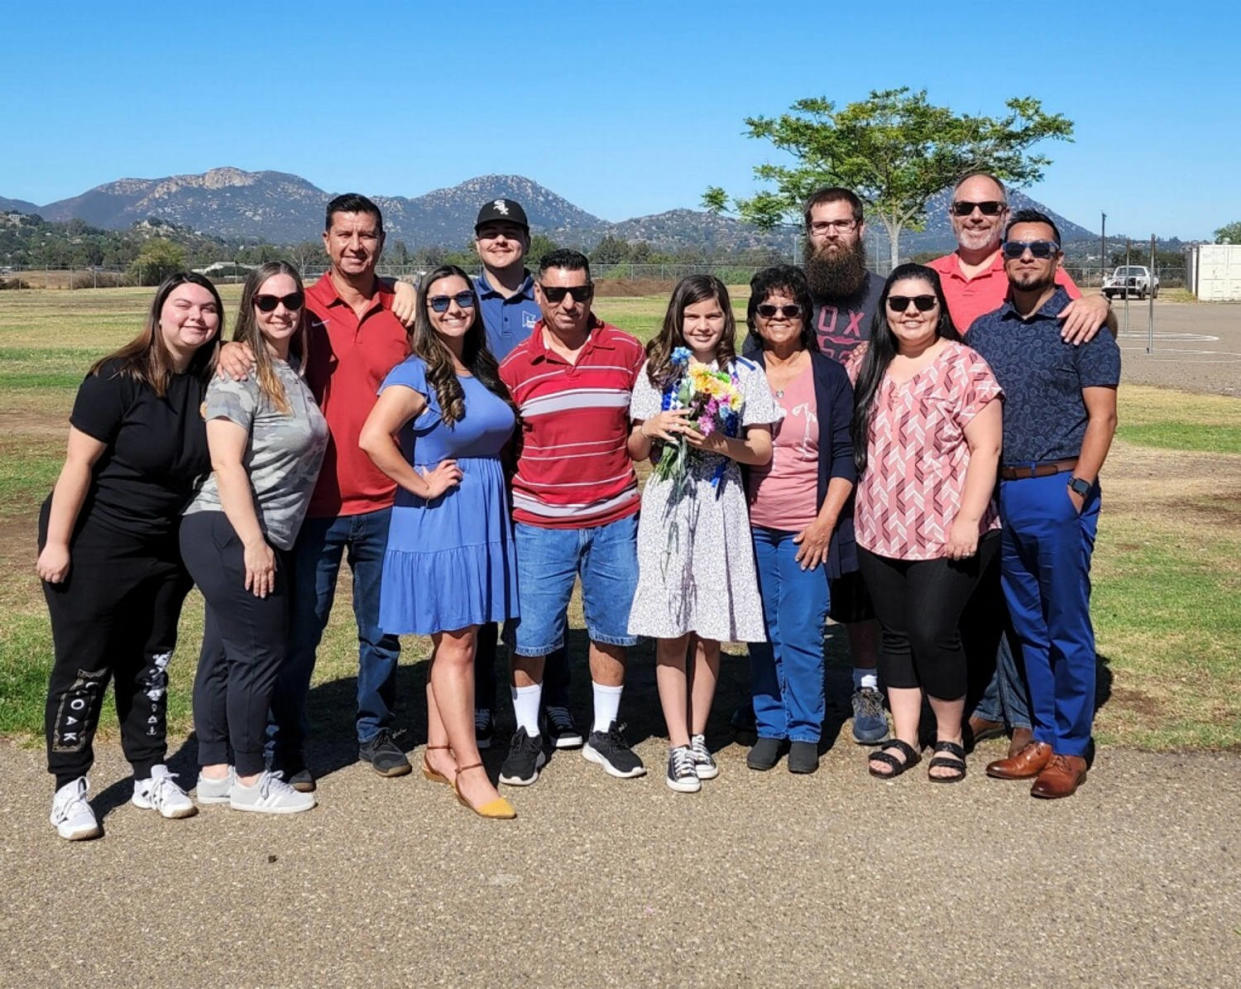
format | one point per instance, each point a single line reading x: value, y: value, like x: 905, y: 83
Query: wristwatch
x: 1079, y: 486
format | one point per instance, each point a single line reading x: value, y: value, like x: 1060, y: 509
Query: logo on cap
x: 501, y: 206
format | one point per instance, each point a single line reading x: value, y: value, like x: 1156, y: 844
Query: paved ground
x: 835, y: 879
x: 1197, y: 346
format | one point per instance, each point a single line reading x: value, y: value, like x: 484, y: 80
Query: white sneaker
x: 270, y: 794
x: 161, y: 793
x: 72, y: 816
x: 209, y: 791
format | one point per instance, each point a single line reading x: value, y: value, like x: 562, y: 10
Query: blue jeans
x: 548, y: 562
x: 787, y: 670
x: 314, y: 564
x: 1045, y: 566
x: 1005, y: 699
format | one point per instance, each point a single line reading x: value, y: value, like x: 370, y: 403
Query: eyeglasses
x: 988, y: 207
x: 268, y: 303
x: 555, y: 294
x: 1041, y: 249
x: 440, y: 303
x: 836, y: 226
x: 923, y: 303
x: 767, y: 310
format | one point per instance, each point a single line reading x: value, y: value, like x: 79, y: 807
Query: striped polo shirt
x: 574, y: 470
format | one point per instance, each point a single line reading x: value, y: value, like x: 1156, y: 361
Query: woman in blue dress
x: 438, y: 429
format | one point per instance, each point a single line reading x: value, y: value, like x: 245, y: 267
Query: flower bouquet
x: 715, y: 402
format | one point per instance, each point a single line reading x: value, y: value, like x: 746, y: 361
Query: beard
x: 838, y: 277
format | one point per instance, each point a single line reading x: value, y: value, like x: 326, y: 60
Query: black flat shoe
x: 912, y: 758
x: 803, y: 757
x: 766, y: 753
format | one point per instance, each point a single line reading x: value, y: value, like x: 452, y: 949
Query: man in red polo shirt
x: 575, y: 505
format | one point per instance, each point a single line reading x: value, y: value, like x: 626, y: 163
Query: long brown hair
x: 146, y: 358
x: 441, y: 373
x: 690, y: 290
x: 249, y: 333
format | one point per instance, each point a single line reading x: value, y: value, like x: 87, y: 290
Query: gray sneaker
x: 209, y: 791
x: 269, y: 795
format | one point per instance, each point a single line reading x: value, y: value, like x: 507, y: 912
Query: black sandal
x: 957, y: 762
x: 912, y: 758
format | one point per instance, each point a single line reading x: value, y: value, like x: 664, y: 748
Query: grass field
x: 1167, y: 566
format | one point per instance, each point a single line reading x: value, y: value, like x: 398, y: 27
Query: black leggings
x: 244, y: 643
x: 114, y: 617
x: 919, y: 605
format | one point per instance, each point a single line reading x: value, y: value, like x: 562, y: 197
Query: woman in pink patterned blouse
x: 926, y: 439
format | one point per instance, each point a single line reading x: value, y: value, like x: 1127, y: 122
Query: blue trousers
x: 1045, y: 571
x: 787, y: 670
x: 314, y: 565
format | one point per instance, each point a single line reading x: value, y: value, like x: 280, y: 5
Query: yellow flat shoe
x: 431, y: 774
x: 495, y: 810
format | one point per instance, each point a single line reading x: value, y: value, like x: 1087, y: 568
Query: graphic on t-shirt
x: 810, y: 422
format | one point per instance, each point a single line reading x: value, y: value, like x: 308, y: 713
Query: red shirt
x: 347, y: 361
x: 985, y: 292
x: 574, y: 470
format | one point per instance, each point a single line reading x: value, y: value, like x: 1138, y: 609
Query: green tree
x: 1229, y: 233
x: 157, y: 259
x: 540, y: 244
x: 895, y: 150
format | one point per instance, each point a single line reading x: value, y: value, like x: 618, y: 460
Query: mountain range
x: 281, y: 208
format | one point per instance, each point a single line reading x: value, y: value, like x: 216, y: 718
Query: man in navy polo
x: 1059, y: 419
x: 505, y: 290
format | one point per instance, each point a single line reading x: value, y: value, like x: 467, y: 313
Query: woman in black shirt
x: 108, y: 556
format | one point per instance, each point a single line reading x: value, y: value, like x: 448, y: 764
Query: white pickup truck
x: 1129, y: 280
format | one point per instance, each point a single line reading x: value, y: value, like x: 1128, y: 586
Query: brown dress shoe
x: 1021, y: 738
x: 980, y: 729
x: 1063, y: 775
x: 1025, y: 764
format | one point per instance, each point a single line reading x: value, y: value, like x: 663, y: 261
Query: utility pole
x: 1103, y: 248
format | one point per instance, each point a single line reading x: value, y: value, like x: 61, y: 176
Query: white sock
x: 526, y: 707
x: 865, y: 678
x: 607, y: 705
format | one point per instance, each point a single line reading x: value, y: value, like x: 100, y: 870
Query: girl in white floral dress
x: 697, y: 584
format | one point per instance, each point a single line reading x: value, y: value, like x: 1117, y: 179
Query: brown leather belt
x: 1037, y: 470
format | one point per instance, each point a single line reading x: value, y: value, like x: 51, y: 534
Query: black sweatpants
x: 114, y: 616
x: 244, y: 643
x: 919, y: 605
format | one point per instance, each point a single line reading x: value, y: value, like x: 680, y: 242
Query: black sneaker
x: 484, y: 729
x: 293, y: 768
x: 561, y: 728
x: 681, y: 776
x: 384, y: 755
x: 525, y: 758
x: 610, y: 750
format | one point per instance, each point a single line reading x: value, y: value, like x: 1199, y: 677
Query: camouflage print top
x: 282, y: 457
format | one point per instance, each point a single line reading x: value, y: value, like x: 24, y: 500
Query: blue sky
x: 624, y: 109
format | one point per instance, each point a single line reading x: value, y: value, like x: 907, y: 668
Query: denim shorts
x: 549, y: 560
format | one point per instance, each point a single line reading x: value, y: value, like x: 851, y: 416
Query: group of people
x: 861, y: 460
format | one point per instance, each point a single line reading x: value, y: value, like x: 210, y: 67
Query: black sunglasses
x: 555, y: 294
x: 268, y: 303
x: 767, y: 310
x: 923, y: 303
x: 988, y: 207
x: 1041, y: 249
x: 440, y: 303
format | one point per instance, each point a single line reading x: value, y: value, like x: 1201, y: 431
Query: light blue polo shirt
x: 508, y: 321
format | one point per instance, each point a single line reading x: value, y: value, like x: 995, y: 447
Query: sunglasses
x: 1041, y: 249
x: 989, y: 207
x: 923, y: 303
x: 268, y: 303
x: 555, y: 294
x: 767, y: 310
x: 440, y: 303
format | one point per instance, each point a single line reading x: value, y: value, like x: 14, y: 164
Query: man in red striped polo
x: 575, y: 506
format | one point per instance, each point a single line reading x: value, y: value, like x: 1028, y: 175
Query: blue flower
x: 680, y: 357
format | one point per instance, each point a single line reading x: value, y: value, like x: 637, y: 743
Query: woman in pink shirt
x: 926, y: 439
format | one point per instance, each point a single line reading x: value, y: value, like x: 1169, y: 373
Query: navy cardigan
x: 833, y: 398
